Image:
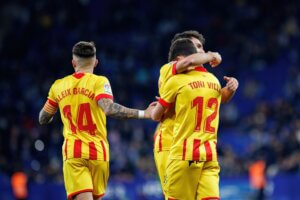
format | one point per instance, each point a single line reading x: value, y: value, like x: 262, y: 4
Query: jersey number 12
x: 211, y: 104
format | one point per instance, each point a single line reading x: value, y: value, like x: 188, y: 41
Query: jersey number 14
x: 84, y: 121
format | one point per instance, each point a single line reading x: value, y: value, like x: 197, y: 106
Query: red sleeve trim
x: 52, y: 103
x: 174, y: 72
x: 70, y: 196
x: 106, y: 96
x: 98, y: 195
x: 211, y: 198
x: 164, y: 103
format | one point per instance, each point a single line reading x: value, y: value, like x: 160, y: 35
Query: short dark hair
x: 84, y: 49
x: 189, y: 34
x: 181, y: 47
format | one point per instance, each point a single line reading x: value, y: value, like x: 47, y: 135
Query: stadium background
x: 258, y: 40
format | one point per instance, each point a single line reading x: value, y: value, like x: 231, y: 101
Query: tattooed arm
x: 47, y: 112
x: 121, y: 112
x: 44, y: 117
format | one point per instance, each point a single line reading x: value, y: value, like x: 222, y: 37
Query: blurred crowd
x: 258, y: 40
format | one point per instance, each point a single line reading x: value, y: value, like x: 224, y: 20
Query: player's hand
x: 232, y: 84
x: 217, y: 59
x: 148, y: 111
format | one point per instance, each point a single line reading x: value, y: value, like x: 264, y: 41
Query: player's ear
x: 74, y: 63
x: 96, y: 63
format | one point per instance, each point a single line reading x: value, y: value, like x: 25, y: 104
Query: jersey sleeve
x: 103, y: 89
x: 51, y: 104
x: 166, y: 72
x: 169, y: 93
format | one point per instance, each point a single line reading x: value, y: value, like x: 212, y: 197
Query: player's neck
x: 85, y: 70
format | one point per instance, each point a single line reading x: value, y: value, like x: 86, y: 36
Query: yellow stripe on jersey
x: 164, y: 136
x: 197, y: 96
x: 84, y: 122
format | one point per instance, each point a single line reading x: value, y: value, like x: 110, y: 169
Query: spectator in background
x: 257, y: 175
x: 19, y: 185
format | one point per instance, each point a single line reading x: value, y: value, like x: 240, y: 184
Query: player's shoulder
x: 59, y: 81
x: 99, y: 77
x: 166, y: 67
x: 175, y: 80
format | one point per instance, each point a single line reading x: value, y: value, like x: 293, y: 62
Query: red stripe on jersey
x: 104, y: 151
x: 66, y: 149
x: 196, y: 150
x: 200, y: 68
x: 106, y: 96
x: 52, y: 103
x: 174, y: 72
x: 77, y: 148
x: 160, y: 143
x: 208, y: 151
x: 78, y: 75
x: 171, y: 198
x: 184, y: 150
x: 93, y: 151
x: 211, y: 198
x: 164, y: 103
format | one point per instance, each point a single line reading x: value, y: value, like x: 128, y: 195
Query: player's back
x: 164, y: 132
x: 198, y: 99
x: 84, y: 122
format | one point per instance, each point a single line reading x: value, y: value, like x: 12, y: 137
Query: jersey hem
x: 70, y: 196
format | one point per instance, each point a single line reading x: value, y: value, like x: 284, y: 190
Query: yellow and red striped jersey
x: 197, y: 98
x: 84, y: 131
x: 164, y: 131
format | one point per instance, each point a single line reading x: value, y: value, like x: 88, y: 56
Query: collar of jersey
x: 200, y: 68
x: 78, y: 75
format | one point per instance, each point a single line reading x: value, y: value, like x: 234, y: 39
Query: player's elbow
x: 42, y: 121
x: 45, y: 118
x: 107, y: 112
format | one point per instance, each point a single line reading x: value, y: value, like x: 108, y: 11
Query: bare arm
x: 121, y: 112
x: 198, y: 59
x: 228, y: 91
x: 44, y: 117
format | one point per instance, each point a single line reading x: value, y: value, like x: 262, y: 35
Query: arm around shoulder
x: 198, y: 59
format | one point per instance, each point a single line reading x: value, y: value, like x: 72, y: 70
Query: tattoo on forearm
x: 44, y: 117
x: 116, y: 110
